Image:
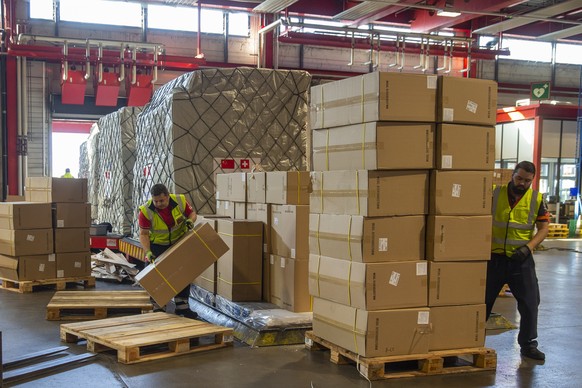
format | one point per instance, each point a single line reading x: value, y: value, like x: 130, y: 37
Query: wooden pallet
x: 60, y: 284
x: 85, y: 305
x: 147, y: 337
x: 414, y: 365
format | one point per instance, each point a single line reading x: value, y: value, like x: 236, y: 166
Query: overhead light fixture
x: 273, y: 6
x: 448, y: 14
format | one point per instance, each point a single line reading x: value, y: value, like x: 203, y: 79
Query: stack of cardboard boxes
x: 377, y: 191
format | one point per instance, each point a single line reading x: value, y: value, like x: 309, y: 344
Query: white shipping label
x: 431, y: 82
x: 60, y: 273
x: 423, y: 318
x: 276, y: 221
x: 456, y: 192
x: 60, y: 223
x: 41, y: 268
x: 447, y: 161
x: 265, y: 248
x: 472, y: 106
x: 77, y: 264
x: 282, y: 262
x: 421, y: 269
x: 29, y: 237
x: 292, y: 253
x: 272, y: 260
x: 448, y: 114
x: 217, y: 197
x: 111, y: 242
x: 51, y: 257
x: 383, y: 244
x: 394, y: 279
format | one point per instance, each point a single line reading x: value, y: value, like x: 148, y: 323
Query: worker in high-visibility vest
x: 67, y: 174
x: 517, y: 210
x: 163, y: 220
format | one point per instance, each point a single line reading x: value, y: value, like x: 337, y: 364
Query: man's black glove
x: 189, y: 224
x: 521, y: 253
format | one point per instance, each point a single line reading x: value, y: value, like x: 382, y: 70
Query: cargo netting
x: 92, y: 175
x: 83, y: 161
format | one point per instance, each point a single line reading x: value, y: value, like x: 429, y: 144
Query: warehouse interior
x: 323, y: 145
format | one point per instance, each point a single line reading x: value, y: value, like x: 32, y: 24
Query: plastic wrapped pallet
x: 92, y: 175
x: 83, y: 161
x: 116, y: 157
x: 202, y: 117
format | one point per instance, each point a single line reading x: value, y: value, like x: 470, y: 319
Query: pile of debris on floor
x: 110, y: 265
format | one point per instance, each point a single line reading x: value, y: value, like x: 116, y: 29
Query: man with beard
x: 517, y: 210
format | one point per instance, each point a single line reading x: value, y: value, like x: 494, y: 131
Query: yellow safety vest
x: 160, y: 232
x: 67, y: 175
x: 513, y: 228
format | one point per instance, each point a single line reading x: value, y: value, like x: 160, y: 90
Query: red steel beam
x: 12, y: 126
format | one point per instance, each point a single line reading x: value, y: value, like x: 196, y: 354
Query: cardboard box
x: 231, y: 187
x: 374, y: 146
x: 72, y: 240
x: 26, y: 242
x: 372, y: 333
x: 502, y: 176
x: 256, y: 187
x: 181, y: 263
x: 15, y: 198
x: 73, y: 264
x: 370, y: 193
x: 460, y: 192
x: 369, y: 240
x: 289, y: 288
x: 34, y: 267
x: 467, y: 101
x: 456, y: 283
x: 234, y: 210
x: 207, y: 279
x: 454, y: 153
x: 25, y: 215
x: 369, y: 286
x: 457, y: 327
x: 376, y: 96
x: 72, y: 215
x: 288, y: 187
x: 239, y: 270
x: 46, y: 189
x: 290, y: 231
x: 262, y: 212
x: 458, y: 238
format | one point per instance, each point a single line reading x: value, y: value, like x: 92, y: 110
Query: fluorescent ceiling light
x: 448, y: 14
x: 273, y: 6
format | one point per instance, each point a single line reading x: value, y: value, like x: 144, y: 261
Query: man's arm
x: 144, y: 239
x: 542, y: 233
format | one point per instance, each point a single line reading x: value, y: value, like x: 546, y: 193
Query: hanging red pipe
x: 12, y: 126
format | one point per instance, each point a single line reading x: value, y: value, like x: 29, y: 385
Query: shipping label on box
x: 452, y: 152
x: 370, y: 240
x: 46, y: 189
x: 72, y: 240
x: 460, y: 192
x: 457, y: 327
x: 456, y: 283
x: 289, y: 288
x: 73, y: 264
x: 372, y: 333
x: 467, y: 101
x: 458, y: 238
x: 288, y: 187
x: 26, y: 242
x: 181, y: 263
x: 256, y: 187
x: 369, y: 286
x: 370, y: 193
x: 72, y: 215
x: 34, y: 267
x: 290, y: 231
x: 374, y: 146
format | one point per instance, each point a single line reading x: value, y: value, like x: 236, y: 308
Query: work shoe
x: 533, y: 353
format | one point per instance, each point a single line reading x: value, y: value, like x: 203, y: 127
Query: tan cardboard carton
x: 458, y: 238
x: 376, y: 96
x: 231, y: 187
x: 364, y: 239
x: 467, y: 101
x: 25, y: 215
x: 370, y: 193
x: 369, y: 286
x: 181, y: 263
x: 35, y: 267
x: 72, y: 240
x: 234, y: 210
x: 460, y: 192
x: 457, y: 327
x: 374, y: 146
x: 46, y: 189
x: 502, y: 176
x: 207, y: 279
x: 453, y: 152
x: 372, y: 333
x: 73, y: 264
x: 256, y: 187
x: 72, y: 215
x: 288, y: 187
x: 239, y: 270
x: 289, y: 284
x: 26, y: 242
x: 15, y: 198
x: 456, y: 283
x: 290, y: 231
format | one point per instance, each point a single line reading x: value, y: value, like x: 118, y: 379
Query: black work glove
x: 189, y: 224
x: 521, y: 253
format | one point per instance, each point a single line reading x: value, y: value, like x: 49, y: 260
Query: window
x: 115, y: 13
x: 528, y: 50
x: 41, y: 9
x: 569, y: 53
x: 173, y: 18
x: 238, y: 24
x: 212, y: 21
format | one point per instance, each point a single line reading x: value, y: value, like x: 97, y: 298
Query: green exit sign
x: 540, y: 91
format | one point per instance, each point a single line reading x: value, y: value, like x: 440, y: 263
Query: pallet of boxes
x: 400, y: 224
x: 45, y: 240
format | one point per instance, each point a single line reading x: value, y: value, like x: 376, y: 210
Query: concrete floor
x: 25, y: 330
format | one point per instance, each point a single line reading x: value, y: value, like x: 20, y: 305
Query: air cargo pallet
x: 60, y: 284
x: 147, y: 337
x: 83, y: 305
x: 414, y: 365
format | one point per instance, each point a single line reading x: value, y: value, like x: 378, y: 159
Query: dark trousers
x: 523, y: 283
x: 157, y: 250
